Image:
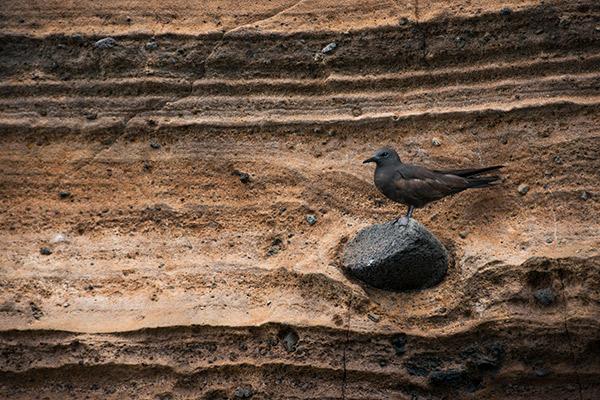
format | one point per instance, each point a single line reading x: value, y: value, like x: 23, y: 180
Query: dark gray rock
x: 45, y: 251
x: 244, y: 177
x: 106, y: 43
x: 399, y: 343
x: 36, y: 311
x: 423, y: 364
x: 90, y: 116
x: 311, y: 219
x: 329, y: 48
x: 289, y: 339
x: 455, y: 378
x: 541, y: 372
x: 545, y: 296
x: 374, y: 317
x: 523, y: 189
x: 276, y: 247
x: 395, y: 257
x: 450, y: 377
x: 244, y: 392
x: 151, y: 45
x: 484, y: 359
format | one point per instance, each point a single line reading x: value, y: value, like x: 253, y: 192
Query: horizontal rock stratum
x: 156, y: 191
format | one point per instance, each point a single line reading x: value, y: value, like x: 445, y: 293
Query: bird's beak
x: 368, y: 160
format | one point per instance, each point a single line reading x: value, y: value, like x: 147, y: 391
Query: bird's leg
x: 404, y: 220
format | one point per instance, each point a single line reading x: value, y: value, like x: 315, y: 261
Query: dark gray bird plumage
x: 417, y: 186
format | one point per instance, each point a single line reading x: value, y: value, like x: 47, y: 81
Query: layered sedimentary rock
x: 175, y: 200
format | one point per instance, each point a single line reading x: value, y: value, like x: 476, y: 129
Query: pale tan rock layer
x: 171, y: 275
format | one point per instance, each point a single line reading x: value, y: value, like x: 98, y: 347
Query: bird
x: 416, y: 186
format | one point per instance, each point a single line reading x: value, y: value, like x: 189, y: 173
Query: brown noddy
x: 417, y: 186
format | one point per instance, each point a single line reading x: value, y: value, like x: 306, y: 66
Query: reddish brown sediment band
x: 194, y: 185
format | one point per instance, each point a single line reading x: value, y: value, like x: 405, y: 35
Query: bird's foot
x: 402, y: 221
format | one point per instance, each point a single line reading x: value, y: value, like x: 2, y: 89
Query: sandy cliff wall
x: 174, y: 275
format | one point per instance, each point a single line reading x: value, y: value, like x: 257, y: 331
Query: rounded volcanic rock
x: 395, y: 257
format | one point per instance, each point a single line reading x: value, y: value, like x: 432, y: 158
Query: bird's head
x: 384, y: 156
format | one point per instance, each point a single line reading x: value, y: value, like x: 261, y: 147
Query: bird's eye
x: 384, y: 154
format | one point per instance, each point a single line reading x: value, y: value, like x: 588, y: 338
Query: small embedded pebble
x: 557, y: 159
x: 523, y: 189
x: 105, y: 43
x: 243, y: 392
x: 373, y: 317
x: 399, y: 344
x: 436, y: 142
x: 585, y: 195
x: 329, y: 48
x: 505, y: 11
x: 36, y: 311
x: 463, y: 234
x: 151, y: 45
x: 564, y: 22
x: 290, y: 340
x: 549, y: 240
x: 64, y: 194
x: 311, y: 219
x: 58, y: 238
x: 276, y: 247
x: 244, y: 177
x: 155, y: 145
x: 545, y: 296
x: 403, y: 21
x: 45, y: 251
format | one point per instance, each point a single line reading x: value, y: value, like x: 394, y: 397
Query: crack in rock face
x: 395, y: 257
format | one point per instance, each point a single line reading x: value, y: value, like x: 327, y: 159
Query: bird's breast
x: 385, y: 182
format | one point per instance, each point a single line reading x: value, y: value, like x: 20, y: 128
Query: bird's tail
x: 476, y: 182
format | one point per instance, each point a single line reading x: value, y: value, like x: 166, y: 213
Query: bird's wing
x: 407, y: 171
x: 422, y: 185
x: 468, y: 172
